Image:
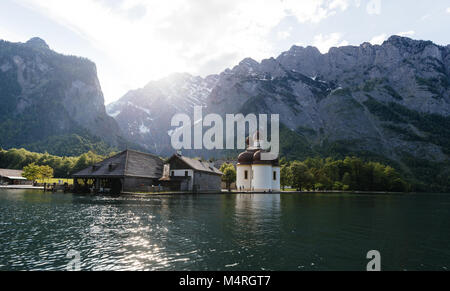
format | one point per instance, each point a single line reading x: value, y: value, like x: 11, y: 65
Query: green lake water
x: 224, y: 232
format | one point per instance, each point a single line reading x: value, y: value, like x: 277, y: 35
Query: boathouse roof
x: 128, y: 163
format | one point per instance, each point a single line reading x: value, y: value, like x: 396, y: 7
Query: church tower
x: 255, y: 174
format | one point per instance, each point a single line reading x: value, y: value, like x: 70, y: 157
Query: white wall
x: 263, y: 176
x: 181, y: 173
x: 276, y: 184
x: 240, y: 177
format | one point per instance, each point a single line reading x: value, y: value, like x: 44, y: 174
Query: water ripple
x: 229, y: 232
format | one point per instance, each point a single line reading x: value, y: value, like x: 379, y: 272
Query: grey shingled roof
x: 198, y: 165
x: 126, y: 164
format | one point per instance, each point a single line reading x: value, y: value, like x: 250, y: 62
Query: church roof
x: 197, y: 165
x: 246, y: 158
x: 258, y: 161
x: 252, y: 156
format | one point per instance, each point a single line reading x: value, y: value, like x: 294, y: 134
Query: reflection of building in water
x: 254, y: 203
x: 257, y: 213
x: 255, y: 174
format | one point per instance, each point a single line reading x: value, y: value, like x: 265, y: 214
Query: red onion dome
x: 246, y: 158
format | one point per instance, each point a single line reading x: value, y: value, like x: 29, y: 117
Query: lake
x: 224, y: 232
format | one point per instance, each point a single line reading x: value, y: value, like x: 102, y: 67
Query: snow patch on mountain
x: 144, y: 129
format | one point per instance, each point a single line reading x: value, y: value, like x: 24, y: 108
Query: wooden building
x: 129, y: 171
x: 186, y: 174
x: 12, y: 177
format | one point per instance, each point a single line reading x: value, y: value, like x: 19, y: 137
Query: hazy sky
x: 135, y: 41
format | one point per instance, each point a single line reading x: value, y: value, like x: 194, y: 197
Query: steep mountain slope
x: 388, y: 102
x: 145, y: 114
x: 51, y: 102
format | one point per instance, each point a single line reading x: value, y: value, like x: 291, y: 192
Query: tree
x: 46, y: 172
x: 286, y: 176
x: 301, y: 176
x: 379, y: 180
x: 63, y: 167
x: 319, y: 187
x: 32, y: 172
x: 347, y: 181
x: 338, y: 186
x: 229, y: 175
x: 398, y: 185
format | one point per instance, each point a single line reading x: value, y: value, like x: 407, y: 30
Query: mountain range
x: 388, y: 102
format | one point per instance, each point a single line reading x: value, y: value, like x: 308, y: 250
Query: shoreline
x: 224, y: 192
x: 259, y: 193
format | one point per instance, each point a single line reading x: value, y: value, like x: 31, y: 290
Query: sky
x: 136, y: 41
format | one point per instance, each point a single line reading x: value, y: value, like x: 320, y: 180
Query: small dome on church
x: 246, y: 158
x: 257, y: 159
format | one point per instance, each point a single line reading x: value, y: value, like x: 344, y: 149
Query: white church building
x: 254, y: 174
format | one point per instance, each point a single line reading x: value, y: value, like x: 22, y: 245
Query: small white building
x: 257, y: 175
x: 185, y: 174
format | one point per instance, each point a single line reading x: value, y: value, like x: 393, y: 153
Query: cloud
x: 407, y: 33
x: 9, y: 35
x: 325, y: 42
x: 149, y: 39
x: 314, y: 11
x: 448, y: 10
x: 374, y: 7
x: 342, y: 4
x: 425, y: 17
x: 379, y: 39
x: 285, y: 34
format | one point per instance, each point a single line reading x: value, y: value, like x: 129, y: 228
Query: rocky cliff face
x: 50, y: 101
x: 387, y: 102
x: 373, y: 97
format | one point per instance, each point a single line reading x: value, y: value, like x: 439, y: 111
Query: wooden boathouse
x: 129, y: 171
